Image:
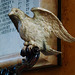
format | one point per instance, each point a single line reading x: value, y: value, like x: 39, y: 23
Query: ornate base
x: 31, y: 57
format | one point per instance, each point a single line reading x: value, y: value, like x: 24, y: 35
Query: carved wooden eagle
x: 38, y: 30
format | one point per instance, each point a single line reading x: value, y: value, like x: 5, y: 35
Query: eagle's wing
x: 50, y: 19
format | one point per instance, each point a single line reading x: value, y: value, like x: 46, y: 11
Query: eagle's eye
x: 16, y: 10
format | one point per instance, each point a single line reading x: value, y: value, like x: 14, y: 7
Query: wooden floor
x: 68, y: 49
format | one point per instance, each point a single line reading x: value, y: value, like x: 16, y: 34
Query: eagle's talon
x: 30, y: 47
x: 26, y: 44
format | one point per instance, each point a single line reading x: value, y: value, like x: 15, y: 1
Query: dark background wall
x: 68, y: 49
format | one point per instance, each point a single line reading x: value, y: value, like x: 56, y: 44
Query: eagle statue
x: 37, y: 30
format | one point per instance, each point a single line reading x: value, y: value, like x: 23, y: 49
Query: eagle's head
x: 16, y: 15
x: 17, y: 12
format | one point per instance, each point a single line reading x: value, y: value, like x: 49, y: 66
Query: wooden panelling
x: 68, y: 49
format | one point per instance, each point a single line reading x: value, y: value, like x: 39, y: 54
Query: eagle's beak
x: 11, y: 13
